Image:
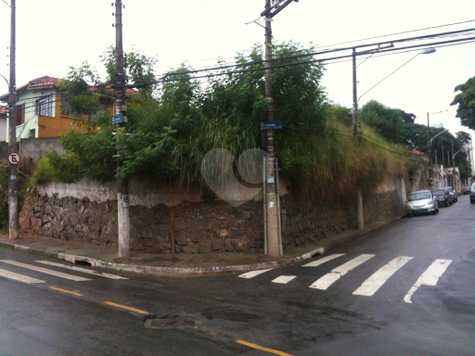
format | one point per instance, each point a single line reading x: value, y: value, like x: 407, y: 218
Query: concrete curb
x: 161, y: 270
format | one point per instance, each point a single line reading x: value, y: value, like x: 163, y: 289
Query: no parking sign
x: 14, y: 158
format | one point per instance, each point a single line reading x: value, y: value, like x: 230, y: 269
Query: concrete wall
x: 3, y: 129
x: 3, y: 151
x: 35, y: 148
x: 87, y: 211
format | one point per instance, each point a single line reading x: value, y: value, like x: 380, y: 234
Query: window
x: 65, y: 106
x: 20, y: 114
x: 45, y: 106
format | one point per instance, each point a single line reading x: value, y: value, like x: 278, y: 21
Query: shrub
x: 56, y: 168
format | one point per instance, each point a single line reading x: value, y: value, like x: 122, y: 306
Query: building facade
x: 42, y: 112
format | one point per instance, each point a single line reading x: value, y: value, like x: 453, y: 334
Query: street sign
x: 118, y: 119
x: 14, y: 158
x: 272, y: 125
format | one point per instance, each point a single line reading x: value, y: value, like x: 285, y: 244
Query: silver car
x: 422, y: 202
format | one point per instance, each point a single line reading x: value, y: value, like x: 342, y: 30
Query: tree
x: 139, y: 70
x: 390, y: 123
x: 465, y: 100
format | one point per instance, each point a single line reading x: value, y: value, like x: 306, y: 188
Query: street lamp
x: 425, y: 51
x: 357, y: 98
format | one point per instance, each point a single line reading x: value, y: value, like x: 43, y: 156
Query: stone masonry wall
x: 162, y: 217
x: 198, y: 227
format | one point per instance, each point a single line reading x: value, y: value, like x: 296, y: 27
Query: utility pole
x: 354, y: 115
x: 429, y: 145
x: 452, y: 153
x: 271, y: 201
x: 271, y: 204
x: 123, y: 213
x: 356, y: 135
x: 12, y: 144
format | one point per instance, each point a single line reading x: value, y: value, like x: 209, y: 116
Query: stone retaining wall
x: 163, y: 219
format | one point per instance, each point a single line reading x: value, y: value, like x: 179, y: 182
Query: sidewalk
x: 178, y: 265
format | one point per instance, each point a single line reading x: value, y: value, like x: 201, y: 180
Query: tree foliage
x: 390, y: 123
x: 465, y: 100
x: 168, y: 133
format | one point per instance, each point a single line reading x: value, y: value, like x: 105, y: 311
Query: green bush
x: 56, y: 168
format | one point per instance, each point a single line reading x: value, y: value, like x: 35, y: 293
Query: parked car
x: 466, y: 189
x: 422, y: 202
x: 442, y: 196
x: 453, y: 194
x: 472, y: 194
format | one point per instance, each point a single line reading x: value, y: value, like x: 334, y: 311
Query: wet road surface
x: 406, y: 289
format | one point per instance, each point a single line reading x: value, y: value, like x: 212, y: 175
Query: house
x: 42, y: 111
x: 3, y: 123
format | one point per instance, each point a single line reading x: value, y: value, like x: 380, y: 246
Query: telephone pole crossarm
x: 276, y: 7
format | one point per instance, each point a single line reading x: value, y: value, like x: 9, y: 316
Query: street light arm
x: 389, y: 75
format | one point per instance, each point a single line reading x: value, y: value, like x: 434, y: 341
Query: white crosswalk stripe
x: 371, y: 285
x: 283, y: 279
x: 19, y: 277
x: 327, y: 280
x: 323, y: 260
x: 252, y: 274
x: 430, y: 277
x: 45, y: 271
x: 82, y: 270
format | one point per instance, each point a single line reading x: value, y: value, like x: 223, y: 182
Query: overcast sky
x: 55, y: 34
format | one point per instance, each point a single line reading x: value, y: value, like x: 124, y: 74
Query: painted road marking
x: 126, y: 307
x: 19, y: 277
x: 327, y: 280
x: 371, y: 285
x: 80, y: 269
x: 253, y: 274
x: 262, y: 348
x: 66, y: 291
x: 429, y: 278
x: 284, y: 279
x: 323, y: 260
x: 46, y: 271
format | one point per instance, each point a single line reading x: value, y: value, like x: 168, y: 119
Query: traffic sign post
x: 14, y: 158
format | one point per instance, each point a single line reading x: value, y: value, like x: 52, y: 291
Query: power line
x: 399, y: 33
x: 380, y: 36
x: 393, y: 51
x: 315, y: 53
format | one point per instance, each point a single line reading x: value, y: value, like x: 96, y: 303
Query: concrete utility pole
x: 123, y: 214
x: 272, y: 218
x: 274, y: 243
x: 12, y: 144
x: 354, y: 115
x: 356, y: 135
x: 429, y: 146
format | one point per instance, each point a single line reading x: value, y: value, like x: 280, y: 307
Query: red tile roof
x: 41, y: 83
x: 45, y: 82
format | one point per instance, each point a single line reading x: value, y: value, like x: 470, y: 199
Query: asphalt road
x: 407, y: 289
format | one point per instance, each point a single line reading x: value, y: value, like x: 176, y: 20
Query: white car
x: 422, y: 202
